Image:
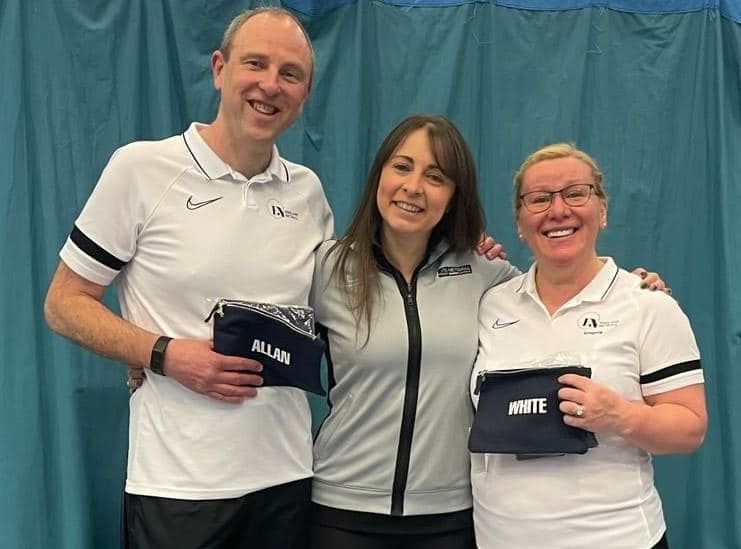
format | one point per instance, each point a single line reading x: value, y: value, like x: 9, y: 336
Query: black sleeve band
x: 670, y: 371
x: 95, y: 251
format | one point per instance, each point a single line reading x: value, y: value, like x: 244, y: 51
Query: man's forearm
x: 74, y: 309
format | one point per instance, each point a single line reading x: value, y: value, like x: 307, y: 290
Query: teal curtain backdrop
x: 656, y: 97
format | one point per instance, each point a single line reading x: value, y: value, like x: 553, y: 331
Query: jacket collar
x: 434, y: 253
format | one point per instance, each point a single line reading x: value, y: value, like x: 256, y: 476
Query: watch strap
x: 157, y: 360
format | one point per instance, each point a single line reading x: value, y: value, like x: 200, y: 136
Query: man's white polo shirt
x: 177, y: 228
x: 638, y: 343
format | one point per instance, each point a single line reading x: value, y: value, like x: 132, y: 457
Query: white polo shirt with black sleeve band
x: 176, y: 227
x: 636, y: 342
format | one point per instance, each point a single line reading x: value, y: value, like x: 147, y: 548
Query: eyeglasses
x: 573, y: 195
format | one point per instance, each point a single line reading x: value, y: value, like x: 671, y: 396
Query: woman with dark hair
x: 397, y: 298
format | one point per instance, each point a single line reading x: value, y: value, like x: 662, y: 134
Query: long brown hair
x: 460, y: 227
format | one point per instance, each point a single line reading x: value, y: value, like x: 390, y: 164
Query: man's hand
x: 489, y: 247
x: 194, y: 364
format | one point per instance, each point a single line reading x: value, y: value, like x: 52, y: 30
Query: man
x: 215, y: 212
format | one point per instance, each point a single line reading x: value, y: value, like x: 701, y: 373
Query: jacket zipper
x: 411, y: 389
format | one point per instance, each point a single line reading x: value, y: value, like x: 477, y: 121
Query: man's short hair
x: 243, y: 17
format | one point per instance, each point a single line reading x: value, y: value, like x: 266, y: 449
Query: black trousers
x: 662, y: 543
x: 328, y: 537
x: 274, y: 518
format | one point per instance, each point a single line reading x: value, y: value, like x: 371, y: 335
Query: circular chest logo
x: 589, y: 321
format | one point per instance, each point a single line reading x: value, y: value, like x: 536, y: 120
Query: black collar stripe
x: 671, y: 371
x: 285, y: 168
x: 611, y: 284
x: 194, y: 157
x: 522, y: 284
x: 288, y: 176
x: 93, y: 250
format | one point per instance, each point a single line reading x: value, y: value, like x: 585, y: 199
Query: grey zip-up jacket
x: 395, y: 440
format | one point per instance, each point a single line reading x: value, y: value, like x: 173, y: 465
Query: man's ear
x: 217, y: 65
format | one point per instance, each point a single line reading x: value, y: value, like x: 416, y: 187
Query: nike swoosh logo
x: 195, y: 205
x: 497, y: 324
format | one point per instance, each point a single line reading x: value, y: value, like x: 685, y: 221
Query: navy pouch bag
x: 518, y: 414
x: 281, y: 337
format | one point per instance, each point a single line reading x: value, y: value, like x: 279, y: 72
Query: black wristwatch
x: 157, y: 361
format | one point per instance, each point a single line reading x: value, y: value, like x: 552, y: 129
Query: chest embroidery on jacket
x: 457, y: 270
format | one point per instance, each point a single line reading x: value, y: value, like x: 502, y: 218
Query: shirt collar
x: 214, y: 167
x: 595, y: 291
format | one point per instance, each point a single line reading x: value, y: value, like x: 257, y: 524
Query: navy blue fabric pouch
x: 518, y: 414
x: 281, y: 337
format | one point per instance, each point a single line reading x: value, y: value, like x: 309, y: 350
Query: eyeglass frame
x: 592, y: 190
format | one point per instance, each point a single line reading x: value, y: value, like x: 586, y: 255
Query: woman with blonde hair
x: 645, y: 395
